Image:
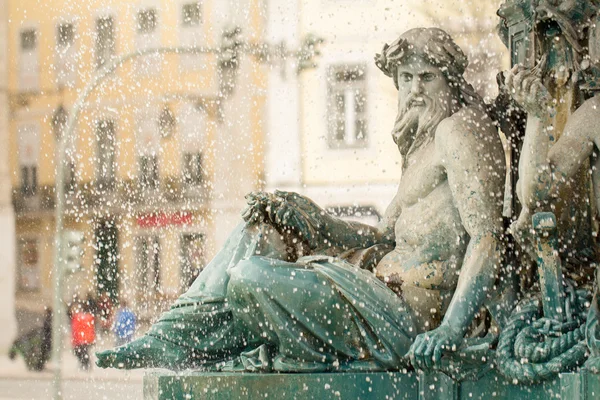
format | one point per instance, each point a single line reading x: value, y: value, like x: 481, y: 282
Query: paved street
x: 89, y: 389
x: 16, y: 382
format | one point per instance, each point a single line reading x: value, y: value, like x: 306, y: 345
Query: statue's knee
x: 248, y: 272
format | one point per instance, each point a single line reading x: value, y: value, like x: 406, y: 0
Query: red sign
x: 158, y: 220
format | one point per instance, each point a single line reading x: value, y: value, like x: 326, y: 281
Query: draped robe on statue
x: 254, y: 312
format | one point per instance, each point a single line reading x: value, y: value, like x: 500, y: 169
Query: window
x: 70, y: 181
x: 148, y: 37
x: 28, y: 39
x: 147, y: 21
x: 166, y: 122
x: 147, y: 142
x: 66, y: 54
x: 59, y: 124
x: 190, y: 33
x: 191, y: 14
x: 347, y: 104
x: 59, y: 121
x: 105, y: 40
x: 29, y: 151
x: 65, y: 35
x: 29, y: 66
x: 192, y: 130
x: 149, y: 172
x: 192, y: 136
x: 105, y: 174
x: 29, y: 265
x: 192, y: 169
x: 192, y: 258
x: 29, y: 180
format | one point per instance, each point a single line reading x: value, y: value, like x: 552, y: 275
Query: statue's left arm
x: 473, y: 157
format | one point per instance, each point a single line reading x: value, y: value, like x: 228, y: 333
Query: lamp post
x: 228, y: 62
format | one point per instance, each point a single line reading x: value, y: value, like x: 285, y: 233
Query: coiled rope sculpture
x: 532, y: 348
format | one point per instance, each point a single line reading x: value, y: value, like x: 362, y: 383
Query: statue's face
x: 424, y: 100
x: 419, y: 83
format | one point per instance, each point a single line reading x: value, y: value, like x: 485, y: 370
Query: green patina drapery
x: 317, y: 314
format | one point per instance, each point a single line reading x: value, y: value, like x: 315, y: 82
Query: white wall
x: 283, y: 164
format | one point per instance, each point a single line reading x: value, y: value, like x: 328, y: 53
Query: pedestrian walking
x: 124, y: 326
x: 83, y: 335
x: 35, y: 346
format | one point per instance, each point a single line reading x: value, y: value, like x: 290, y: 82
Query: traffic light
x: 72, y: 250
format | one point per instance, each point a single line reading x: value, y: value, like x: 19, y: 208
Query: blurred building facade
x: 156, y: 175
x: 7, y: 217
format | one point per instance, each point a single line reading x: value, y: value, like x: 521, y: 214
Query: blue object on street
x: 124, y: 323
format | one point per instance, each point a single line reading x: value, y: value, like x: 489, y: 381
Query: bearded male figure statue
x: 295, y: 289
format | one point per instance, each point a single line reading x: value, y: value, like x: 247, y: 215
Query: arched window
x: 148, y: 146
x: 193, y: 133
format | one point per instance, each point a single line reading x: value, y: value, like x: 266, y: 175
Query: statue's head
x: 427, y: 68
x: 431, y: 44
x: 563, y: 28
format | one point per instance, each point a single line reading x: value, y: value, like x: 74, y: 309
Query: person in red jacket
x: 83, y: 335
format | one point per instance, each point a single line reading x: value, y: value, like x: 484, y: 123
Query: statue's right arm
x: 292, y: 211
x: 329, y: 231
x: 545, y: 167
x: 549, y: 167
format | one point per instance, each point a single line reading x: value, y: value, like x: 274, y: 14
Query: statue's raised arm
x: 300, y: 218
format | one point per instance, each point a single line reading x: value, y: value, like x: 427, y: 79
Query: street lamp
x: 228, y: 62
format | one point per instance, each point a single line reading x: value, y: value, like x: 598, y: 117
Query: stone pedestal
x: 380, y: 385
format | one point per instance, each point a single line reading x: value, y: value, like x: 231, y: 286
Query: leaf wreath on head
x: 390, y: 56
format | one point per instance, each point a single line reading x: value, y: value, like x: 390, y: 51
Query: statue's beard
x: 415, y: 124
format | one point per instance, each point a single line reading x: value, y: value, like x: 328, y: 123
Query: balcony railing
x: 172, y: 192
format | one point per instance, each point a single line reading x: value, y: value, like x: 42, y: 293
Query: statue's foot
x: 145, y: 352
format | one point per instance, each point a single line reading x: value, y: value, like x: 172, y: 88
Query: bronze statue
x: 295, y: 289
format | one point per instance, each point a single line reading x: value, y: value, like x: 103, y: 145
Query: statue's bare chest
x: 422, y: 174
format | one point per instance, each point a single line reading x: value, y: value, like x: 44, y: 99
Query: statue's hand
x: 303, y: 203
x: 426, y: 351
x: 285, y: 211
x: 526, y: 88
x: 519, y: 229
x: 302, y: 215
x: 260, y: 205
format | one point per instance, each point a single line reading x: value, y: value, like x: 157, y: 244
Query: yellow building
x: 156, y: 173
